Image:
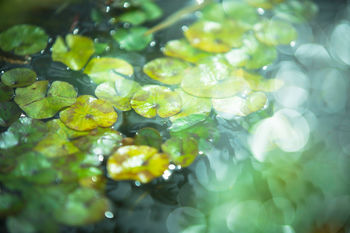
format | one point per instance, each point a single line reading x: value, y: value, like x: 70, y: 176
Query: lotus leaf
x: 166, y: 70
x: 23, y: 39
x: 88, y: 113
x: 107, y: 69
x: 266, y: 4
x: 82, y: 206
x: 183, y: 50
x: 18, y: 77
x: 275, y: 32
x: 9, y: 112
x: 296, y: 11
x: 215, y: 37
x: 182, y: 151
x: 6, y: 93
x: 133, y: 39
x: 151, y: 100
x: 215, y: 80
x: 192, y: 105
x: 74, y: 52
x: 119, y: 93
x: 39, y: 101
x: 141, y: 163
x: 148, y: 137
x: 135, y: 17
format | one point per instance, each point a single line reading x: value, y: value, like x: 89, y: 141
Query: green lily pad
x: 296, y: 11
x: 133, y: 39
x: 148, y: 137
x: 151, y: 100
x: 166, y: 70
x: 82, y: 206
x: 9, y: 113
x: 213, y: 12
x: 213, y: 80
x: 182, y: 151
x: 23, y: 39
x: 119, y: 93
x: 256, y: 101
x: 107, y: 69
x: 18, y: 77
x: 6, y: 93
x: 266, y: 4
x: 74, y: 52
x: 40, y: 101
x: 241, y: 12
x: 275, y: 32
x: 215, y: 37
x: 152, y: 10
x: 135, y: 17
x: 183, y: 50
x: 192, y: 105
x: 88, y: 113
x: 141, y: 163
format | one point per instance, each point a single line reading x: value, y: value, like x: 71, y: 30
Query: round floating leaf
x: 39, y: 101
x: 133, y: 39
x: 6, y: 93
x: 82, y: 206
x: 266, y: 4
x: 258, y: 83
x: 88, y: 113
x: 192, y: 105
x: 256, y: 101
x: 9, y: 112
x: 296, y: 11
x: 241, y: 12
x: 186, y: 122
x: 215, y: 37
x: 57, y: 126
x: 141, y: 163
x: 148, y: 137
x: 152, y: 10
x: 213, y: 12
x: 183, y: 50
x: 18, y: 77
x: 74, y: 52
x: 182, y: 151
x: 166, y: 70
x: 213, y: 80
x: 107, y: 69
x: 135, y: 17
x: 275, y: 32
x: 119, y: 93
x: 151, y: 100
x: 23, y: 39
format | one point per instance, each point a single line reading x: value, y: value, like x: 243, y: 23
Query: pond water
x: 174, y: 116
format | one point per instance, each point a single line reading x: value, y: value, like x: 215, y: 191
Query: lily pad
x: 256, y: 101
x: 88, y: 113
x: 192, y: 105
x: 182, y: 151
x: 40, y: 101
x: 183, y: 50
x: 148, y: 137
x: 296, y: 11
x: 141, y: 163
x: 166, y: 70
x: 23, y: 39
x: 119, y: 93
x: 135, y: 17
x: 151, y: 100
x: 57, y: 126
x: 215, y: 37
x: 9, y: 113
x: 6, y: 93
x: 133, y: 39
x: 258, y: 83
x: 107, y: 69
x: 186, y: 122
x: 152, y: 10
x: 18, y: 77
x: 74, y: 52
x: 266, y: 4
x: 241, y: 12
x: 275, y: 32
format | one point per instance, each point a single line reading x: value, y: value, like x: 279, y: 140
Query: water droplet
x: 172, y: 167
x: 109, y: 214
x: 75, y: 31
x: 138, y: 183
x: 184, y: 28
x: 108, y: 9
x: 153, y: 43
x: 126, y: 4
x: 261, y: 11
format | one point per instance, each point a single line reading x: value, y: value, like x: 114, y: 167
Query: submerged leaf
x: 118, y: 93
x: 9, y: 112
x: 88, y: 113
x: 133, y: 39
x: 107, y: 69
x: 166, y: 70
x: 18, y: 77
x: 151, y: 100
x: 148, y: 137
x: 74, y: 52
x: 141, y: 163
x: 23, y: 39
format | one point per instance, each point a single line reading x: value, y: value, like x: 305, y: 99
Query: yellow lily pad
x: 151, y: 100
x: 215, y: 37
x: 56, y: 125
x: 74, y: 52
x: 166, y: 70
x: 258, y: 83
x: 107, y: 69
x: 39, y: 101
x: 118, y: 93
x: 141, y: 163
x: 88, y: 113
